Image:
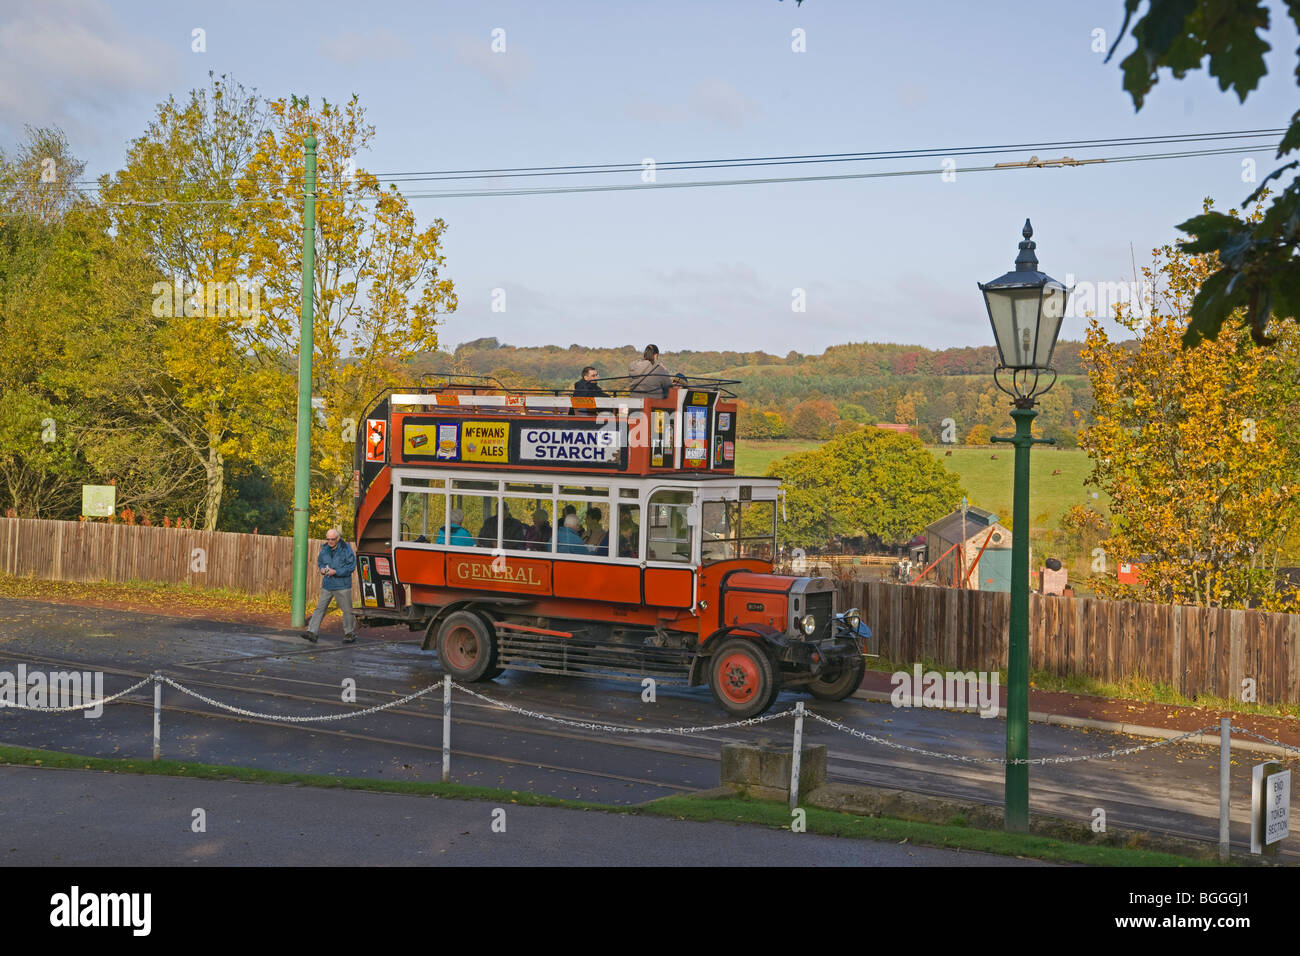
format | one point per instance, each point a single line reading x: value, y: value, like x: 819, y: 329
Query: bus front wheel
x: 742, y: 678
x: 466, y: 647
x: 840, y: 684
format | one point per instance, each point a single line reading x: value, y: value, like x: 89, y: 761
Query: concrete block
x: 764, y: 769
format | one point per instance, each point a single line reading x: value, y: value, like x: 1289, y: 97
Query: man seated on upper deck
x: 570, y: 542
x: 649, y: 375
x: 459, y: 536
x: 586, y: 387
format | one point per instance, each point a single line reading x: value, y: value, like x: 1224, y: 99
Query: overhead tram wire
x: 626, y: 187
x: 791, y: 160
x: 691, y: 184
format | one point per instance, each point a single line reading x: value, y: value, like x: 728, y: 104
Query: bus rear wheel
x: 466, y: 647
x: 742, y: 678
x: 839, y: 685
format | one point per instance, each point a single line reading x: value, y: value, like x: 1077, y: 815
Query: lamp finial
x: 1027, y: 261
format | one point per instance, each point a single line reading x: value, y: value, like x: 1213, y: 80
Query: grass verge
x: 144, y: 595
x: 705, y: 808
x: 1127, y: 688
x: 1141, y: 689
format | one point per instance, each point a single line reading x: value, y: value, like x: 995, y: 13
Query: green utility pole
x: 1017, y: 779
x: 302, y: 465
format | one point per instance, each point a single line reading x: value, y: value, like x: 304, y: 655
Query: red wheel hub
x: 738, y: 677
x: 462, y: 649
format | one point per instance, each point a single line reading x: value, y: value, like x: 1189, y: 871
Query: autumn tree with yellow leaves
x: 1197, y: 448
x: 378, y: 285
x: 191, y: 361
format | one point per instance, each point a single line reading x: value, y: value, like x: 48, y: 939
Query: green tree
x: 872, y: 482
x: 67, y: 286
x: 1256, y: 273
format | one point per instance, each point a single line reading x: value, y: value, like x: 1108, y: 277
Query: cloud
x: 506, y: 70
x: 351, y: 47
x: 65, y: 61
x: 713, y: 100
x: 721, y: 102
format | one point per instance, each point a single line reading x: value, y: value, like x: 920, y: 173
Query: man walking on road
x: 335, y: 563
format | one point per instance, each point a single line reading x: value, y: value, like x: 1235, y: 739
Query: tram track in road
x: 402, y: 712
x: 641, y: 743
x: 897, y: 771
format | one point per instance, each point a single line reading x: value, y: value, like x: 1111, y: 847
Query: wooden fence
x: 97, y: 551
x: 1192, y: 649
x: 1195, y: 650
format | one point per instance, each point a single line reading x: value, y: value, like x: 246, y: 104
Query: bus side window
x: 669, y: 534
x: 418, y: 509
x: 629, y: 530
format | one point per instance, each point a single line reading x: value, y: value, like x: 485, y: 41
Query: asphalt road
x: 1171, y: 788
x: 83, y: 818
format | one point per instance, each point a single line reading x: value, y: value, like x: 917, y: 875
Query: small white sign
x: 1270, y: 818
x: 98, y: 501
x: 568, y: 444
x: 1277, y: 807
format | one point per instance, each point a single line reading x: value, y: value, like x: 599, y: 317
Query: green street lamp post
x: 302, y: 462
x: 1025, y: 309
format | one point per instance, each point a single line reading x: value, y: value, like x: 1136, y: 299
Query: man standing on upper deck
x: 649, y: 375
x: 336, y: 562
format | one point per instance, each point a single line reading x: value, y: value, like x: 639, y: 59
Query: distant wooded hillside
x: 948, y: 394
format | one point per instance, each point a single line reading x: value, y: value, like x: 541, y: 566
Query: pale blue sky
x: 892, y: 260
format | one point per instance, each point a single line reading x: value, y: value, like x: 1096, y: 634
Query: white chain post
x: 1225, y: 759
x: 798, y: 754
x: 446, y: 728
x: 157, y: 716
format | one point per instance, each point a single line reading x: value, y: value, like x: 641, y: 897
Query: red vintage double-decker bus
x: 464, y: 492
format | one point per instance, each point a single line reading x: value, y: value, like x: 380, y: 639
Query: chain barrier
x: 90, y: 706
x: 296, y: 720
x: 622, y: 729
x: 1001, y: 761
x: 618, y: 728
x: 1267, y: 740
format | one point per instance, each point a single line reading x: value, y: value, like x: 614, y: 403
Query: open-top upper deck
x: 479, y: 424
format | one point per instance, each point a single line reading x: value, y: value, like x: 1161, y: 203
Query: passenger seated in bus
x: 512, y: 530
x: 570, y: 542
x: 593, y: 531
x: 629, y: 536
x: 515, y: 533
x: 459, y: 536
x: 649, y: 375
x: 537, y: 536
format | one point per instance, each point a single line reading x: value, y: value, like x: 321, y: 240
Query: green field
x: 987, y: 480
x: 754, y: 457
